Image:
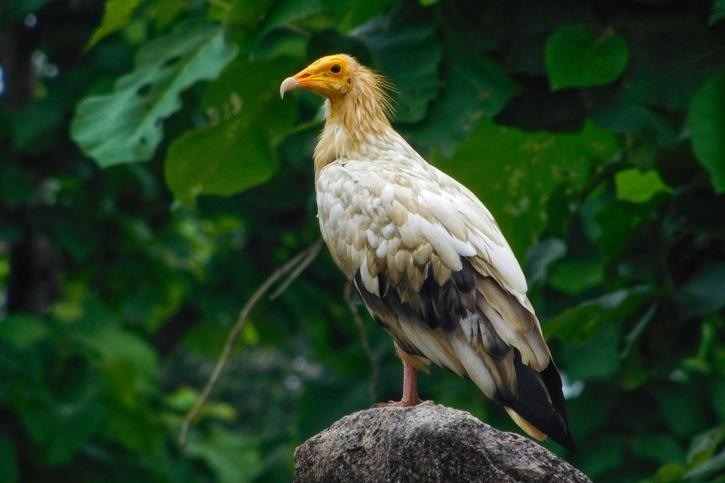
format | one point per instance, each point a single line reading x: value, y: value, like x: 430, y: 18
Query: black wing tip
x: 557, y: 429
x: 541, y: 401
x: 560, y: 434
x: 552, y: 380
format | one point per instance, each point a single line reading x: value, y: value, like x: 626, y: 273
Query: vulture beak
x: 318, y: 78
x: 287, y: 85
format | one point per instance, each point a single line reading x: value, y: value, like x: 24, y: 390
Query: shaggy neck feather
x: 353, y: 119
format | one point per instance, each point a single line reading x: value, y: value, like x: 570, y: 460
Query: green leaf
x: 341, y: 14
x: 670, y: 473
x: 288, y: 11
x: 235, y: 151
x: 540, y: 258
x: 617, y: 222
x: 706, y: 121
x: 578, y: 324
x: 409, y: 54
x: 243, y: 13
x: 164, y: 12
x: 233, y: 457
x: 515, y: 172
x: 579, y: 57
x: 129, y: 370
x: 126, y: 125
x: 703, y: 446
x: 473, y: 87
x: 111, y: 345
x: 639, y: 186
x: 23, y: 330
x: 8, y: 462
x: 598, y: 358
x: 116, y: 15
x: 708, y: 469
x: 115, y: 346
x: 575, y: 275
x: 223, y: 159
x: 718, y: 12
x: 61, y: 425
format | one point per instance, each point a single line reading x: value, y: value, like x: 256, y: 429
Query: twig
x: 374, y: 366
x: 302, y: 260
x: 311, y: 253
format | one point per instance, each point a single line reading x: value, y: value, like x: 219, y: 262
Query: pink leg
x: 410, y: 386
x: 410, y: 389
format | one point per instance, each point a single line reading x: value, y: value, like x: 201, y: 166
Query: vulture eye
x: 335, y: 68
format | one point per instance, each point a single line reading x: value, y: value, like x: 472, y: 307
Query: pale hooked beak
x: 287, y: 85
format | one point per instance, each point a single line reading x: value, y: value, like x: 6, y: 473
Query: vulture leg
x: 410, y: 386
x: 410, y: 389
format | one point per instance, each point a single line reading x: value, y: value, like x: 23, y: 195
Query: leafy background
x: 151, y: 179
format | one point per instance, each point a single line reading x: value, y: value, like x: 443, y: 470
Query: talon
x: 398, y: 404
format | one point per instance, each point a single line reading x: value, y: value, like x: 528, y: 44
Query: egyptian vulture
x: 425, y: 255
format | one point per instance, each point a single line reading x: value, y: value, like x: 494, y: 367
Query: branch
x: 306, y: 258
x: 294, y: 267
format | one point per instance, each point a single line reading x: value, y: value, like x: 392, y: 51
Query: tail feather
x: 540, y: 402
x: 525, y: 425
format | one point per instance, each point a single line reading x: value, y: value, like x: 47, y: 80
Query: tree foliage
x: 151, y: 179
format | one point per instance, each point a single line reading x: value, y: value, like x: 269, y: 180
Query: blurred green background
x: 151, y: 179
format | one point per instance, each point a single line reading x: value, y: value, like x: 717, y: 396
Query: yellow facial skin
x: 328, y: 76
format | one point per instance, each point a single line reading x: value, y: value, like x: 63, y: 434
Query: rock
x: 425, y: 443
